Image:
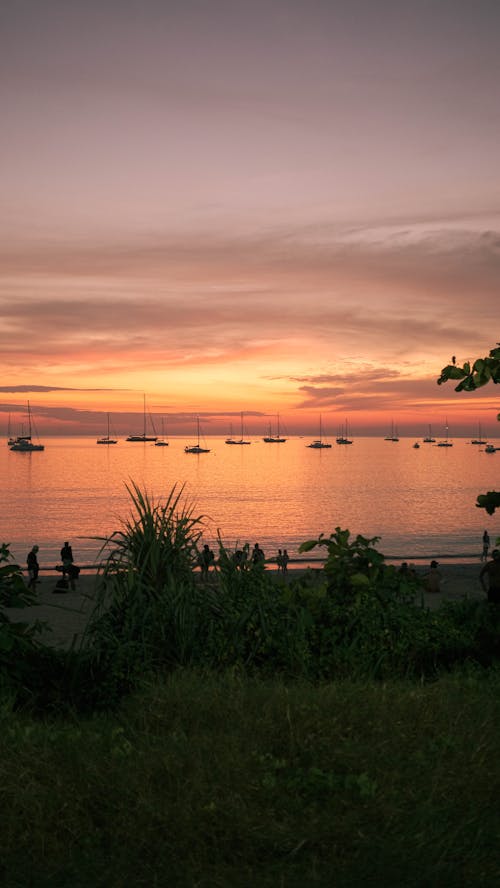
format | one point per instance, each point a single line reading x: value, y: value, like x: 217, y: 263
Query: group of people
x: 69, y: 570
x: 241, y: 557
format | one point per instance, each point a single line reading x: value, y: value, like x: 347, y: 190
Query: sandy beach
x: 66, y: 615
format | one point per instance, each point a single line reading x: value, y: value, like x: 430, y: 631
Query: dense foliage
x: 355, y: 618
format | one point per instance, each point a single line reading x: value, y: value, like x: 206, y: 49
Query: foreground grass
x: 225, y: 781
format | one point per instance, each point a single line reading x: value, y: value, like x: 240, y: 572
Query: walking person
x: 284, y: 561
x: 33, y: 568
x: 486, y: 546
x: 491, y: 570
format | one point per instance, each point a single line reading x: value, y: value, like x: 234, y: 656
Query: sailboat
x: 231, y: 440
x: 160, y: 442
x: 274, y: 439
x: 196, y: 448
x: 445, y: 443
x: 429, y: 439
x: 393, y: 435
x: 24, y: 443
x: 479, y: 439
x: 343, y: 436
x: 143, y: 437
x: 106, y: 439
x: 319, y: 444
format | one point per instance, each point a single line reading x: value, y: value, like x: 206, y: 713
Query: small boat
x: 393, y: 436
x: 445, y: 443
x: 106, y: 439
x: 274, y: 439
x: 490, y: 448
x: 160, y: 442
x: 24, y: 443
x: 319, y: 444
x: 343, y: 436
x: 416, y: 445
x: 144, y: 437
x: 429, y: 439
x: 479, y: 439
x: 196, y: 448
x: 241, y: 440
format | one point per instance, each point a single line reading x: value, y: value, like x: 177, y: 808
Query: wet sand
x: 66, y: 614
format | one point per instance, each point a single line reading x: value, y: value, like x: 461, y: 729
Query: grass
x: 212, y: 781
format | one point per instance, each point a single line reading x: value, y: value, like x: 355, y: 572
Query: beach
x: 66, y: 615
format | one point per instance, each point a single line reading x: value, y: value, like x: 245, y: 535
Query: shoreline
x: 67, y: 614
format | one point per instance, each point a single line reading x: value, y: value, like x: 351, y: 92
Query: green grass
x: 204, y: 780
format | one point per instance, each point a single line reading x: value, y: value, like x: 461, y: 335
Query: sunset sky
x: 285, y: 206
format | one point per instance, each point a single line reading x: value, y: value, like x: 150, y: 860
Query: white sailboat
x: 343, y: 435
x: 106, y: 439
x: 275, y: 439
x: 393, y: 436
x: 446, y: 442
x: 24, y: 443
x: 241, y: 440
x: 319, y: 444
x: 479, y: 439
x: 161, y: 441
x: 144, y: 436
x: 196, y: 448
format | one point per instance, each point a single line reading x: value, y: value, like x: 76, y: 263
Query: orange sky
x: 280, y: 207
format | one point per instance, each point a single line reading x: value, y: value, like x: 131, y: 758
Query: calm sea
x: 420, y: 502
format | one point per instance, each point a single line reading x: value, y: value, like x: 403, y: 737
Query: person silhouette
x: 486, y: 546
x: 66, y: 557
x: 33, y: 567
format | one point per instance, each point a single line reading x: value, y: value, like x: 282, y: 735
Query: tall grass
x: 228, y: 781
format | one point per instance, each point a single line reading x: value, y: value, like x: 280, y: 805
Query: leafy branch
x: 482, y: 371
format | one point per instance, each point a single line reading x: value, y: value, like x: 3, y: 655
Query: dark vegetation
x: 357, y: 619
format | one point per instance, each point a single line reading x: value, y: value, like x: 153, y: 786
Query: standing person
x: 206, y: 559
x: 486, y: 546
x: 284, y: 561
x: 433, y: 578
x: 258, y: 556
x: 279, y: 560
x: 33, y: 568
x: 66, y: 556
x: 492, y: 570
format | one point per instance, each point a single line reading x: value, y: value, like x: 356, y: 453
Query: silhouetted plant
x: 482, y: 371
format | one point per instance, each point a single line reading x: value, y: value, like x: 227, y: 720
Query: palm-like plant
x: 158, y: 543
x: 147, y: 608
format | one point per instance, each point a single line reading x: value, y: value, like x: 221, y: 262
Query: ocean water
x: 420, y: 502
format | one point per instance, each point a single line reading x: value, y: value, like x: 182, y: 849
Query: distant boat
x: 160, y: 442
x: 241, y: 440
x: 490, y: 448
x: 24, y: 443
x: 429, y: 439
x: 319, y: 444
x: 479, y: 439
x: 393, y: 436
x: 343, y: 436
x: 275, y: 439
x: 106, y: 439
x: 416, y: 445
x: 196, y: 448
x: 144, y: 436
x: 446, y: 442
